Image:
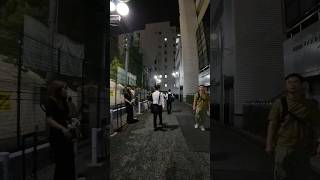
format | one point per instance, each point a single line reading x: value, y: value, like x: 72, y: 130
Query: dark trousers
x: 129, y: 109
x: 159, y: 113
x: 169, y: 106
x: 64, y: 159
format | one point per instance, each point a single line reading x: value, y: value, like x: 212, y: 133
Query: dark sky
x: 148, y: 11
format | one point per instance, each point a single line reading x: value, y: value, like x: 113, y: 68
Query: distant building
x: 158, y: 46
x: 157, y: 43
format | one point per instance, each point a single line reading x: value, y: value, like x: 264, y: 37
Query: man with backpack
x: 169, y: 97
x: 293, y: 132
x: 200, y: 105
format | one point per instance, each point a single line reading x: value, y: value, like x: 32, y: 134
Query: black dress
x: 129, y: 107
x: 62, y: 146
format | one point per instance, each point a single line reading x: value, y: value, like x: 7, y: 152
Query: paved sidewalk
x: 234, y: 157
x: 84, y: 155
x: 238, y: 157
x: 139, y: 152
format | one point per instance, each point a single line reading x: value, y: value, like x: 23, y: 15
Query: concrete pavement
x: 139, y: 152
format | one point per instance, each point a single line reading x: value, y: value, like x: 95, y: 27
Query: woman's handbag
x: 155, y: 108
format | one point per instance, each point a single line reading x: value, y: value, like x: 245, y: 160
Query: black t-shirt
x: 58, y: 114
x: 128, y: 96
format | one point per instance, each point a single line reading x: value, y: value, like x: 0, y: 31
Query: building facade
x: 194, y: 62
x: 247, y: 56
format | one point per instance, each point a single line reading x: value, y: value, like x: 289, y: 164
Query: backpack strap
x: 198, y: 97
x: 285, y: 110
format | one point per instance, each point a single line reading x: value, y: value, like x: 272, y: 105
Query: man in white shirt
x: 158, y: 103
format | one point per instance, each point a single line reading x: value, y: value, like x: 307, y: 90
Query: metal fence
x: 26, y: 68
x: 27, y: 65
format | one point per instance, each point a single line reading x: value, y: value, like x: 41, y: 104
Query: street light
x: 122, y: 9
x: 118, y: 8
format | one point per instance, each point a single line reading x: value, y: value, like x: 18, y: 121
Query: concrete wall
x: 259, y: 59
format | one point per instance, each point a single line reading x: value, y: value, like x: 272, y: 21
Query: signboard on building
x: 302, y: 52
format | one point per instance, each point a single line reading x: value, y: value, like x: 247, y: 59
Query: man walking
x: 200, y: 105
x: 292, y: 132
x: 169, y: 98
x: 157, y: 106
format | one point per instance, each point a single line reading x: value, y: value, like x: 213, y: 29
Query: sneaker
x: 196, y: 126
x: 202, y: 128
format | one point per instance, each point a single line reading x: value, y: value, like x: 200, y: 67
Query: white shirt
x: 155, y: 98
x: 167, y: 95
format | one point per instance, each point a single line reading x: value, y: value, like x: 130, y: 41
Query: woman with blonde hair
x: 60, y: 137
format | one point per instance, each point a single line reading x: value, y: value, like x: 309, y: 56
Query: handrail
x: 304, y: 19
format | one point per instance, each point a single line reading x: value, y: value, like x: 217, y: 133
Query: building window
x: 165, y: 76
x: 160, y: 32
x: 174, y: 52
x: 155, y: 61
x: 155, y: 68
x: 159, y: 47
x: 165, y: 67
x: 165, y: 85
x: 165, y: 45
x: 165, y: 59
x: 174, y: 59
x: 174, y: 45
x: 165, y: 52
x: 165, y: 39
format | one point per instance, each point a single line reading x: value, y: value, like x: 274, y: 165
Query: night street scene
x: 161, y: 90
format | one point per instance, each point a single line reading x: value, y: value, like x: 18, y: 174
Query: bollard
x: 111, y: 121
x: 94, y: 148
x: 4, y: 160
x: 139, y: 108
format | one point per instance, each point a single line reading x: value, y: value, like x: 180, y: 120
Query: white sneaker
x: 202, y: 128
x: 196, y: 126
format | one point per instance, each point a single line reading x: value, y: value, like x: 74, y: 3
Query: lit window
x: 165, y: 76
x: 165, y: 85
x: 165, y: 39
